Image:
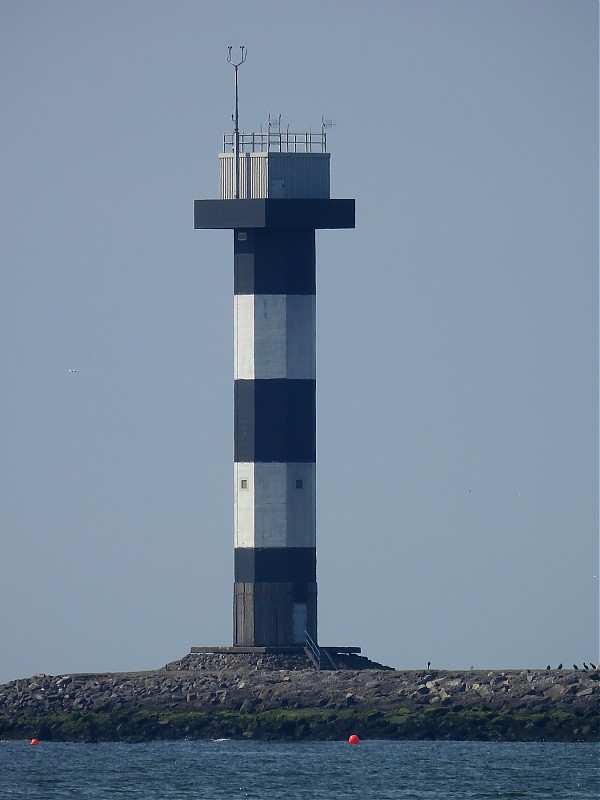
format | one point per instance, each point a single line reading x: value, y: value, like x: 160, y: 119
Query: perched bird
x: 428, y: 664
x: 559, y: 666
x: 593, y: 666
x: 575, y: 666
x: 585, y: 666
x: 548, y: 667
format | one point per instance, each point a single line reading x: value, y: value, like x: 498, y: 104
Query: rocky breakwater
x: 227, y: 687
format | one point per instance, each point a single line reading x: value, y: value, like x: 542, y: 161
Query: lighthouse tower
x: 274, y: 195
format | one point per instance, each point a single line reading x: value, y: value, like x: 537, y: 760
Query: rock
x: 206, y: 681
x: 554, y: 692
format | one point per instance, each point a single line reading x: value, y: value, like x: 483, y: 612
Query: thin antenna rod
x: 236, y: 130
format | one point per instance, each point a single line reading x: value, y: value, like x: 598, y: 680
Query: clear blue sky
x: 457, y: 512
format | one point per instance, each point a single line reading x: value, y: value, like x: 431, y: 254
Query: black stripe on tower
x: 274, y: 261
x: 296, y: 565
x: 275, y: 420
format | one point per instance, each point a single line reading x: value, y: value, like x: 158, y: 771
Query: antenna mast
x: 236, y: 130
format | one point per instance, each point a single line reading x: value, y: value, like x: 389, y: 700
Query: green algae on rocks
x: 140, y: 725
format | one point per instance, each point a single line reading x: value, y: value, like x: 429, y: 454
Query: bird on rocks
x: 575, y: 666
x: 559, y: 666
x: 548, y: 667
x: 593, y: 666
x: 585, y: 666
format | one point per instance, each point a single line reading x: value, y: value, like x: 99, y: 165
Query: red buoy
x: 34, y: 741
x: 353, y: 739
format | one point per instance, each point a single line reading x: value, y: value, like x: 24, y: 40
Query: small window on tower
x: 242, y: 236
x: 244, y: 483
x: 299, y: 483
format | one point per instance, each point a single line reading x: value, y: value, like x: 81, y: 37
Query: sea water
x: 371, y: 770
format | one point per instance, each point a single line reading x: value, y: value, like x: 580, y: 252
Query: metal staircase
x: 320, y: 657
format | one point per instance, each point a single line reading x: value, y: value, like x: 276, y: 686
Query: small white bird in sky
x: 72, y: 370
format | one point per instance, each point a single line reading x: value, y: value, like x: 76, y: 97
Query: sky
x: 457, y: 326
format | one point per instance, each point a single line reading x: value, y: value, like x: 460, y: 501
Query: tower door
x: 299, y: 623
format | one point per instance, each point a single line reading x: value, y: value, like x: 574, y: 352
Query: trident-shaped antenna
x: 236, y: 130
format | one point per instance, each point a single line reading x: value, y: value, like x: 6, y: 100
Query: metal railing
x: 276, y: 142
x: 314, y: 648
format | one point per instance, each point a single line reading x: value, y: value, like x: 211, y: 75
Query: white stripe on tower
x: 271, y: 511
x: 274, y: 336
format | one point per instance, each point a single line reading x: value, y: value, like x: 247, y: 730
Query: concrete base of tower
x: 221, y: 650
x: 294, y: 649
x: 274, y: 614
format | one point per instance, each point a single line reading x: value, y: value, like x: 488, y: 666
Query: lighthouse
x: 274, y: 193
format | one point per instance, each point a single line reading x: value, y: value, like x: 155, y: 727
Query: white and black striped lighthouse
x: 274, y: 194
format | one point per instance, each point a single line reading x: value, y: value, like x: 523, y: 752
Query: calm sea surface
x: 372, y: 770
